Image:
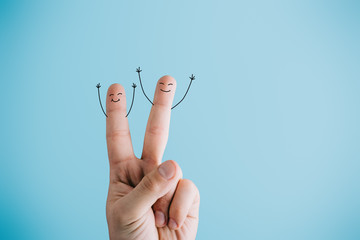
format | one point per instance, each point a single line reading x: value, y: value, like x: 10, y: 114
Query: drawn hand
x: 192, y: 77
x: 134, y: 85
x: 147, y: 199
x: 98, y: 85
x: 138, y: 70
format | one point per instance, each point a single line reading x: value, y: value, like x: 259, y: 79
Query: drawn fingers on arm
x: 157, y: 129
x: 117, y: 126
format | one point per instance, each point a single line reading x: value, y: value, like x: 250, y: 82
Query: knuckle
x: 118, y: 134
x: 121, y: 214
x: 188, y: 182
x: 149, y: 184
x: 163, y: 105
x: 190, y: 186
x: 177, y: 214
x: 162, y: 204
x: 156, y: 130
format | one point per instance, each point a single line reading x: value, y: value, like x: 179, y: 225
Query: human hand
x: 146, y: 199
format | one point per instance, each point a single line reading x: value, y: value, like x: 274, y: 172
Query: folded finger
x: 185, y: 203
x: 152, y: 187
x: 161, y: 208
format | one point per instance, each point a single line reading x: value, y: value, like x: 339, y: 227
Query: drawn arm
x: 98, y: 87
x: 192, y: 78
x: 138, y: 70
x: 132, y: 102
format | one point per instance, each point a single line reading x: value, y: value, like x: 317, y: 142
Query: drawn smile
x: 165, y: 91
x: 118, y: 100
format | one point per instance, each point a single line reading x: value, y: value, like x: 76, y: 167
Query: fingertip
x: 184, y: 200
x: 170, y: 170
x: 172, y: 224
x: 169, y: 82
x: 177, y: 167
x: 115, y: 87
x: 116, y: 99
x: 160, y: 219
x: 165, y: 90
x: 168, y: 79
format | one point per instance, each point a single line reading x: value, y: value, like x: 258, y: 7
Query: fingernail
x: 172, y: 224
x: 159, y: 218
x: 167, y: 170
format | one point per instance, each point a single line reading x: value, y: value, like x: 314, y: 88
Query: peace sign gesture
x: 147, y: 199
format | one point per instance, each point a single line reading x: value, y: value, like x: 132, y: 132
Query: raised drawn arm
x: 132, y: 102
x: 98, y: 86
x: 138, y: 70
x: 192, y: 78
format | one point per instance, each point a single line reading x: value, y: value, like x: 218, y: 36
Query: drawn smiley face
x: 167, y: 87
x: 118, y: 97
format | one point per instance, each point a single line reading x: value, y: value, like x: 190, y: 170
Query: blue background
x: 269, y: 131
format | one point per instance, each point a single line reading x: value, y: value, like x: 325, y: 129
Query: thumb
x: 152, y: 187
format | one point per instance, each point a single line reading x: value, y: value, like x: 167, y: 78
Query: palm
x: 127, y: 171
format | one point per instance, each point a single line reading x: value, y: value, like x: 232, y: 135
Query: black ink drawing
x: 98, y: 86
x: 112, y: 99
x: 169, y: 84
x: 138, y: 70
x: 132, y: 102
x: 192, y: 78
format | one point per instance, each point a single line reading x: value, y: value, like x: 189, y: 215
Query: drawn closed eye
x: 111, y: 95
x: 162, y: 83
x: 119, y: 93
x: 170, y: 84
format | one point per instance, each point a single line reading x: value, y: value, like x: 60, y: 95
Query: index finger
x: 117, y: 126
x: 157, y: 129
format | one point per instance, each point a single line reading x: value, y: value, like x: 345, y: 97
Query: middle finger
x: 157, y: 129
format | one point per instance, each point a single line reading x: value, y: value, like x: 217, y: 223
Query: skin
x: 147, y: 199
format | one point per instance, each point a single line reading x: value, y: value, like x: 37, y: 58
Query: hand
x: 147, y: 199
